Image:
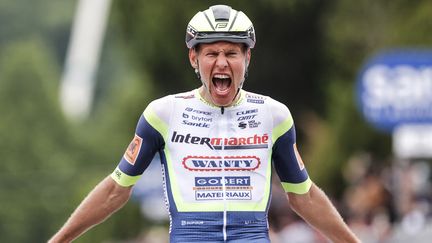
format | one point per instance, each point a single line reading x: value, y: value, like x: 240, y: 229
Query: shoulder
x: 185, y: 95
x: 164, y: 102
x: 160, y: 105
x: 163, y: 106
x: 279, y: 111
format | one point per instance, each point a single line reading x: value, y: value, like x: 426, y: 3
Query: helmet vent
x: 221, y: 12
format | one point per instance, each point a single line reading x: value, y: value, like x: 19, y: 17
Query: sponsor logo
x: 218, y: 188
x: 256, y: 97
x: 118, y: 174
x: 197, y: 121
x: 201, y: 119
x: 251, y: 32
x: 191, y: 222
x: 218, y: 163
x: 196, y: 124
x: 191, y: 31
x: 250, y: 124
x: 248, y: 222
x: 242, y: 125
x: 218, y: 181
x: 221, y: 25
x: 255, y: 101
x: 247, y: 112
x: 192, y: 110
x: 254, y: 124
x: 219, y: 195
x: 133, y: 149
x: 252, y: 142
x: 245, y: 118
x: 185, y: 96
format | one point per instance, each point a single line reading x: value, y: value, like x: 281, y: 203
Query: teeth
x: 221, y: 76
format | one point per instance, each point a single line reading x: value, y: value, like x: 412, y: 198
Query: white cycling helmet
x: 220, y: 23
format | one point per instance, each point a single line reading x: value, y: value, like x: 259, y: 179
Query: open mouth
x: 222, y: 83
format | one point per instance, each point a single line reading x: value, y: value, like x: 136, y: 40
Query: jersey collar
x: 242, y: 94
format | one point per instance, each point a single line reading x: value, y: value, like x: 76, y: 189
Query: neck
x: 206, y: 96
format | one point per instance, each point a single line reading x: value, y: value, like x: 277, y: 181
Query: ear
x: 193, y: 58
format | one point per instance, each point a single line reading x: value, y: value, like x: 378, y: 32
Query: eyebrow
x: 224, y: 50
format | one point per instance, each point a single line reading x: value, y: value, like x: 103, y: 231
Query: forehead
x: 221, y: 45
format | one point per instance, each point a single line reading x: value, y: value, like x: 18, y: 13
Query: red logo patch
x: 133, y: 149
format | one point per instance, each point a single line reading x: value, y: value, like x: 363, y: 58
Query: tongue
x: 222, y: 84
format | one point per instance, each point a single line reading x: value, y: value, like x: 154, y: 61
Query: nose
x: 221, y: 61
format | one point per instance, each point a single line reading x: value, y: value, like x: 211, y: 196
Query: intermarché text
x: 251, y: 142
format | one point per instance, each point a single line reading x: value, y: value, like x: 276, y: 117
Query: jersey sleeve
x: 148, y: 140
x: 287, y: 160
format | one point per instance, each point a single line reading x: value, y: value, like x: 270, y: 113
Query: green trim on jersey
x: 153, y: 119
x: 173, y: 180
x: 297, y: 188
x: 282, y: 128
x: 123, y: 179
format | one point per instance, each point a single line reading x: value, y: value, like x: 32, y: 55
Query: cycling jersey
x: 216, y: 163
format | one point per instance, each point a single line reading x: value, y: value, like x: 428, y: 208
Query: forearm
x: 102, y: 201
x: 316, y: 209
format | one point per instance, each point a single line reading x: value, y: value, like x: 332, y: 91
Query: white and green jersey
x: 216, y: 163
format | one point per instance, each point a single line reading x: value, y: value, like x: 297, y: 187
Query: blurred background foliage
x: 307, y: 56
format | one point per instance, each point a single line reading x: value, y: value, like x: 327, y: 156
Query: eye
x: 211, y: 54
x: 232, y: 53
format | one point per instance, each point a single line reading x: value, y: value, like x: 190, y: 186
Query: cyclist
x: 217, y: 145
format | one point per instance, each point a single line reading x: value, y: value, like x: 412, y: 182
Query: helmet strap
x: 246, y: 72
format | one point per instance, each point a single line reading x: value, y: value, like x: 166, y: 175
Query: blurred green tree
x: 352, y: 32
x: 122, y: 93
x: 34, y: 136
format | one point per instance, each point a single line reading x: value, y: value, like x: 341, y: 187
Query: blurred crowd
x: 382, y: 203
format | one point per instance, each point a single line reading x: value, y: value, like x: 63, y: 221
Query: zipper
x: 225, y: 129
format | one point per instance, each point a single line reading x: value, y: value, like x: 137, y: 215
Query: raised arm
x: 316, y: 209
x: 106, y: 198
